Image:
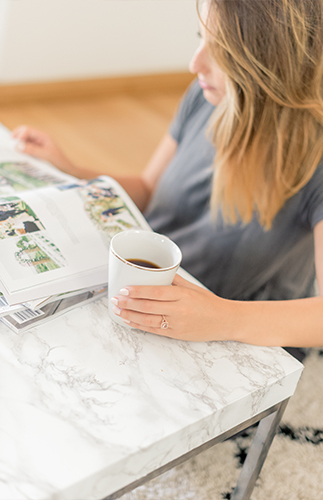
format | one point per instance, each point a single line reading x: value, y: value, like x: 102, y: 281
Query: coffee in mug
x: 140, y: 257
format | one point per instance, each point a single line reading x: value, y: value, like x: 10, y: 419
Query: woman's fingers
x: 140, y: 305
x: 153, y: 300
x: 179, y: 281
x: 29, y: 134
x: 187, y: 308
x: 144, y: 307
x: 39, y: 144
x: 143, y: 321
x: 32, y: 141
x: 162, y: 293
x: 20, y: 132
x: 156, y: 330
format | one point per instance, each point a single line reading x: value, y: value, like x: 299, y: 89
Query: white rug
x: 294, y: 466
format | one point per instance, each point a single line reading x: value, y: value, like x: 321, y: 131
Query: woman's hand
x: 192, y: 313
x: 39, y: 144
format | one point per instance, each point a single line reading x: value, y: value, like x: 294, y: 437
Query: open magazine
x: 55, y: 232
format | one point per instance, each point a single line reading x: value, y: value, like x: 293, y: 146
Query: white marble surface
x: 87, y: 406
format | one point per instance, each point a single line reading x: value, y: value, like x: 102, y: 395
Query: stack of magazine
x: 55, y: 232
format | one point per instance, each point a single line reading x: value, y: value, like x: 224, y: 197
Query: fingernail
x: 114, y: 301
x: 124, y: 291
x: 116, y: 310
x: 126, y: 321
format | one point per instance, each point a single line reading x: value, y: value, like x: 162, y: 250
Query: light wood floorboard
x: 115, y: 134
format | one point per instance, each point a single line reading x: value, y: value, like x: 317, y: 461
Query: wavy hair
x: 268, y: 129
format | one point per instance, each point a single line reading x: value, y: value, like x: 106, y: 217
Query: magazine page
x: 20, y: 172
x: 22, y: 320
x: 41, y: 302
x: 6, y: 309
x: 90, y: 279
x: 50, y: 235
x: 5, y: 134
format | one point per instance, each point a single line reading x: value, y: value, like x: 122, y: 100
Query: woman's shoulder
x: 312, y: 196
x: 316, y: 181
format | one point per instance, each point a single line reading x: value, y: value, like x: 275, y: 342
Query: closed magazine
x: 23, y: 319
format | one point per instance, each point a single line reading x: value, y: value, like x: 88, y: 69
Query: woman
x: 259, y: 95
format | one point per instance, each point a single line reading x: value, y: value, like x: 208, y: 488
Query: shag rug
x: 293, y: 469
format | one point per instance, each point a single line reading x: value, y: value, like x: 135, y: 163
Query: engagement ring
x: 164, y: 324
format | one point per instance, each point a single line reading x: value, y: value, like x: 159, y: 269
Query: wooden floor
x: 115, y: 134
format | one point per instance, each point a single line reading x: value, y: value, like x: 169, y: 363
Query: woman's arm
x: 140, y: 188
x: 198, y: 315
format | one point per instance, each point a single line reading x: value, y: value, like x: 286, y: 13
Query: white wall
x: 46, y: 40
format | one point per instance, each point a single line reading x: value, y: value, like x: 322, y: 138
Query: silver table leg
x: 268, y: 423
x: 257, y: 453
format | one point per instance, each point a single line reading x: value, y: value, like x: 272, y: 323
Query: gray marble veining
x: 88, y: 406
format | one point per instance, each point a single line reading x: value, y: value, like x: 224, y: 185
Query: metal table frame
x: 268, y: 423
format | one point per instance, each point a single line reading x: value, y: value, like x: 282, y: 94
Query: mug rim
x: 148, y: 269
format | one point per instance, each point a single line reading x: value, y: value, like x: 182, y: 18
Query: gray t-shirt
x: 241, y: 261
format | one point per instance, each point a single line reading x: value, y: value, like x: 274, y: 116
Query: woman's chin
x: 212, y: 96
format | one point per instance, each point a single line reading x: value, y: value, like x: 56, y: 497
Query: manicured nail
x: 116, y: 310
x: 114, y: 301
x: 124, y: 291
x: 126, y: 321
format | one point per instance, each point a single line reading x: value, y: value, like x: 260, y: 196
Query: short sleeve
x: 315, y: 197
x: 186, y: 106
x: 317, y: 216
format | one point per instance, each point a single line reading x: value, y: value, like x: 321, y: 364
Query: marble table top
x: 88, y: 406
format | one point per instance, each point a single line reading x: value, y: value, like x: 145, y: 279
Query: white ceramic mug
x: 137, y: 244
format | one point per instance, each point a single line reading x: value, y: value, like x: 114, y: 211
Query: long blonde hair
x: 268, y: 129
